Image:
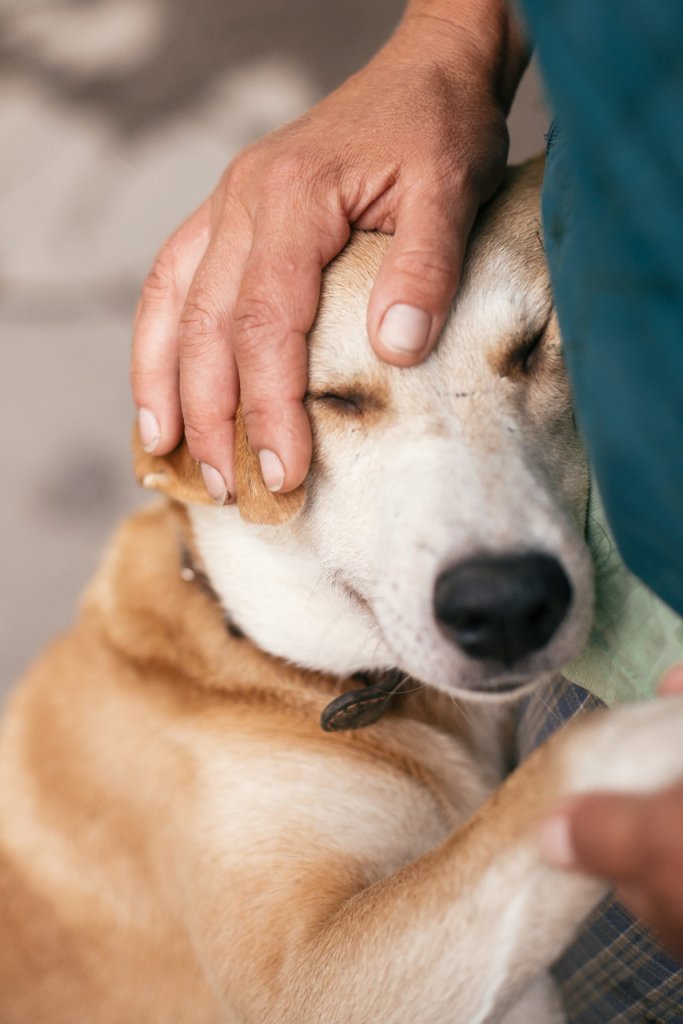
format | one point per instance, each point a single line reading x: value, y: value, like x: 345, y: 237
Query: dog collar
x: 357, y: 708
x: 351, y: 710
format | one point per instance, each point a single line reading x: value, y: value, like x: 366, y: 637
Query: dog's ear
x: 256, y: 503
x: 180, y: 477
x: 176, y: 474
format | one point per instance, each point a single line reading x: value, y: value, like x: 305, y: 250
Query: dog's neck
x: 273, y: 588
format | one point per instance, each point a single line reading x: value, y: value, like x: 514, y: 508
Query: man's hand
x: 635, y: 842
x: 411, y: 145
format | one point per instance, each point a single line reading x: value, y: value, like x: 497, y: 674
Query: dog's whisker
x: 461, y: 709
x: 419, y: 685
x: 551, y: 711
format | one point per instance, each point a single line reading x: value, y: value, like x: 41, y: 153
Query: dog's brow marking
x: 370, y: 394
x: 511, y: 361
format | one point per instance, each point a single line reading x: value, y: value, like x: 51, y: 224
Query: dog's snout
x: 502, y: 607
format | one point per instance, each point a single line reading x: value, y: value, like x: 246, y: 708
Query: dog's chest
x: 458, y: 750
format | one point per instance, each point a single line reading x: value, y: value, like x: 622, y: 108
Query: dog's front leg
x: 458, y: 935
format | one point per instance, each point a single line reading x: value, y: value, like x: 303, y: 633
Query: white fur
x: 274, y: 588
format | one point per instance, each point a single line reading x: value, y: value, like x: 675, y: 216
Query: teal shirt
x: 613, y: 226
x: 613, y: 232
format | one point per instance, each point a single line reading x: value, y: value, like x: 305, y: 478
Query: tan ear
x: 179, y: 476
x: 256, y: 503
x: 176, y: 474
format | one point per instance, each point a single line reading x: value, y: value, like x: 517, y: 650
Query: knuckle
x: 260, y: 419
x: 238, y: 173
x: 286, y: 171
x: 197, y: 431
x: 424, y: 268
x: 204, y: 430
x: 478, y: 173
x: 161, y: 283
x: 477, y: 180
x: 255, y: 326
x: 198, y: 328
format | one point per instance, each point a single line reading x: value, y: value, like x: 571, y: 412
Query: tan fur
x: 179, y: 476
x: 179, y: 840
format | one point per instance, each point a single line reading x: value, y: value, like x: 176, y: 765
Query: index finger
x: 275, y: 309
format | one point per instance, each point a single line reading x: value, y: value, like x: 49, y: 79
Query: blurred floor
x: 116, y: 119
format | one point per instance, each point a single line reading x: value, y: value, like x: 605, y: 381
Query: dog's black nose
x: 502, y: 607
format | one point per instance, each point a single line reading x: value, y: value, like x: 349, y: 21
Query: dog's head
x: 440, y: 531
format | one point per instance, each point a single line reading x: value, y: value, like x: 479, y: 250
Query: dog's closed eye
x: 522, y: 355
x: 525, y: 354
x: 346, y: 403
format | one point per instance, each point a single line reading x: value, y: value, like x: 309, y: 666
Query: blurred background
x: 116, y: 119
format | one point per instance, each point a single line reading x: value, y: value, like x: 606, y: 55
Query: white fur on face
x: 452, y: 459
x: 272, y: 584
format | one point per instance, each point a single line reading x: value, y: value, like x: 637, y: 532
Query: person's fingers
x: 672, y: 682
x: 154, y: 357
x: 666, y: 928
x: 419, y: 276
x: 209, y: 386
x: 656, y: 894
x: 277, y: 304
x: 633, y: 842
x: 602, y: 834
x: 609, y: 836
x: 638, y: 901
x: 660, y: 910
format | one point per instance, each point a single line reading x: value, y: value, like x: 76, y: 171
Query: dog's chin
x: 426, y: 657
x: 485, y: 681
x: 488, y: 689
x: 499, y: 693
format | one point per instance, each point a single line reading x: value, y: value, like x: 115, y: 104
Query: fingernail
x: 215, y: 484
x: 150, y: 431
x: 556, y: 843
x: 272, y: 470
x: 405, y: 329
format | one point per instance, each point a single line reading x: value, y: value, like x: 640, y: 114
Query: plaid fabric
x: 615, y: 972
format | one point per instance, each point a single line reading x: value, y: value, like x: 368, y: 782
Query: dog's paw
x: 636, y: 748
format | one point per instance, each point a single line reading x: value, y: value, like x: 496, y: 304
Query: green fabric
x: 635, y: 637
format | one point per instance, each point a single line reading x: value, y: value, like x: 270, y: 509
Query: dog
x: 181, y: 841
